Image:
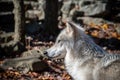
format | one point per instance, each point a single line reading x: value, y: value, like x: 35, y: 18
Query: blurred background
x: 33, y: 25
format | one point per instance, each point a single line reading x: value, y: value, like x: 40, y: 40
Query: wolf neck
x: 88, y: 47
x: 84, y: 51
x: 78, y: 68
x: 80, y: 62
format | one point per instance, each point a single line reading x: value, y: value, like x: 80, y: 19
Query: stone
x: 25, y: 63
x: 104, y: 9
x: 96, y: 21
x: 35, y: 14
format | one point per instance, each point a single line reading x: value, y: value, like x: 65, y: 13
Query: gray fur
x: 84, y: 60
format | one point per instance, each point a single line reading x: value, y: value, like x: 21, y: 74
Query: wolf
x: 83, y: 58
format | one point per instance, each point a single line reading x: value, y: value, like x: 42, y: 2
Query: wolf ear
x: 68, y: 28
x: 71, y: 28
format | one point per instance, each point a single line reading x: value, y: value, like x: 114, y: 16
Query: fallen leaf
x: 104, y: 26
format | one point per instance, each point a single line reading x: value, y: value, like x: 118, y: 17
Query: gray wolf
x: 84, y: 59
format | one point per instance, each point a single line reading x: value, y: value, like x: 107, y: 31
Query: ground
x: 105, y: 36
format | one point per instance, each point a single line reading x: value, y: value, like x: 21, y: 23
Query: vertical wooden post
x: 19, y: 17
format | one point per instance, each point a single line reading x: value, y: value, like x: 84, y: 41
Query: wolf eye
x: 59, y: 41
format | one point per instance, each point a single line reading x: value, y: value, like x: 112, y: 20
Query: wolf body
x: 84, y: 60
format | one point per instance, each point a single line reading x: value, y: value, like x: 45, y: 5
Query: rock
x: 96, y: 21
x: 91, y: 8
x: 35, y: 14
x: 6, y: 37
x: 37, y: 11
x: 33, y: 53
x: 29, y: 61
x: 7, y: 49
x: 118, y: 29
x: 65, y: 8
x: 42, y: 3
x: 24, y: 65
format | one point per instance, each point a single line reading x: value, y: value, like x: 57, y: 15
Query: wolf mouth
x: 54, y: 57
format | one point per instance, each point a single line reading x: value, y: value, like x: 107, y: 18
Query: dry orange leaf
x: 118, y: 35
x: 114, y: 34
x: 94, y: 33
x: 104, y: 26
x: 119, y: 38
x: 16, y: 73
x: 97, y: 27
x: 94, y: 26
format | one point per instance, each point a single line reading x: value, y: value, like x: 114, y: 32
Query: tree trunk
x: 51, y: 15
x: 19, y: 18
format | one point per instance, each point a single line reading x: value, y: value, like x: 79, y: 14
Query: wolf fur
x: 84, y: 60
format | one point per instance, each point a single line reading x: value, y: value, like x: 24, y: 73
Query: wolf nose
x: 45, y: 53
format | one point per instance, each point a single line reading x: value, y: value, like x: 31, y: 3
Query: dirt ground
x: 105, y: 36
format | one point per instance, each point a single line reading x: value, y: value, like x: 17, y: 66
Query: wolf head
x: 66, y: 41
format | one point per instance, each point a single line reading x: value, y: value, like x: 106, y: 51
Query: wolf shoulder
x: 108, y: 68
x: 109, y: 59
